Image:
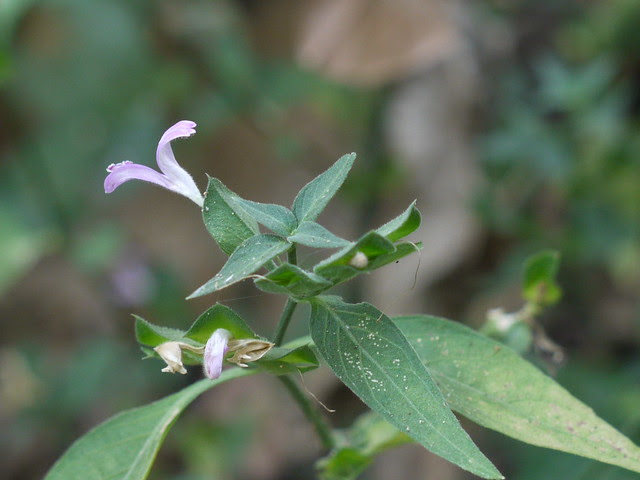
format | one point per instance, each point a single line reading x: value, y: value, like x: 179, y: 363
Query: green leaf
x: 252, y: 254
x: 492, y: 385
x: 228, y: 224
x: 276, y: 218
x: 153, y: 335
x: 219, y: 316
x: 125, y: 446
x: 403, y: 225
x: 378, y: 250
x: 315, y: 195
x: 285, y: 360
x: 292, y: 280
x: 373, y: 358
x: 539, y: 284
x: 369, y: 436
x: 315, y: 235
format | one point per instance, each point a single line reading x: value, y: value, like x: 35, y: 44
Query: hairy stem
x: 322, y: 427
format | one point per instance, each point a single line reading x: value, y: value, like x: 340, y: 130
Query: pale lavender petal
x: 168, y: 164
x: 214, y: 353
x: 125, y: 171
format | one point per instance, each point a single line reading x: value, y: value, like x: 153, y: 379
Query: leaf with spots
x: 373, y: 358
x: 492, y: 385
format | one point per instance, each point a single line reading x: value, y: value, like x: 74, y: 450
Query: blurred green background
x: 515, y: 124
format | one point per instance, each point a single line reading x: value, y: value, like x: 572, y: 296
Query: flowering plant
x: 412, y: 371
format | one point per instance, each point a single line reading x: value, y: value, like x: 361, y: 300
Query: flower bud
x: 171, y: 353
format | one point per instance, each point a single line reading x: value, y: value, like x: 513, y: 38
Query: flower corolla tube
x: 173, y: 176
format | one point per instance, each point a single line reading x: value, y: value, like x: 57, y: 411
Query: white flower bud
x: 359, y: 261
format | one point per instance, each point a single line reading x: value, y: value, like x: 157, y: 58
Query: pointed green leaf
x: 315, y: 235
x: 125, y: 446
x: 153, y: 335
x: 373, y: 358
x: 219, y: 316
x: 539, y: 285
x: 292, y: 280
x: 402, y: 225
x: 315, y: 195
x: 249, y: 257
x: 492, y: 385
x: 228, y: 224
x: 276, y: 218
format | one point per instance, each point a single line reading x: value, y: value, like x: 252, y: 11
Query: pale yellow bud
x: 171, y: 353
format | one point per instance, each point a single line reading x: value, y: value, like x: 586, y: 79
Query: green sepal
x: 249, y: 257
x: 314, y: 196
x: 284, y: 360
x: 292, y: 280
x: 539, y: 280
x: 153, y: 335
x: 219, y: 316
x: 228, y: 224
x: 403, y: 225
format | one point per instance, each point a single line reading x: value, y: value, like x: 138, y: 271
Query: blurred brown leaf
x: 371, y: 42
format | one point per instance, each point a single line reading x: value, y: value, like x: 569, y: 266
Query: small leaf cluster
x: 233, y: 223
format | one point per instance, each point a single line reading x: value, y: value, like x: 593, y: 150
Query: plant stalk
x: 283, y: 324
x: 322, y: 427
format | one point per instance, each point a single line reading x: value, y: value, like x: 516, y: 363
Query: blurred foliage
x: 562, y: 160
x: 85, y: 84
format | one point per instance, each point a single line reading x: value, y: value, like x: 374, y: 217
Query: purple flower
x: 173, y: 176
x: 214, y: 352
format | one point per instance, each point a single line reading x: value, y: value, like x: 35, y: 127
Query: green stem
x: 292, y: 255
x: 322, y: 427
x: 283, y: 324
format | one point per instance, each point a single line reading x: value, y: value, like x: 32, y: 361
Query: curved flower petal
x: 170, y: 167
x: 120, y: 173
x: 214, y: 353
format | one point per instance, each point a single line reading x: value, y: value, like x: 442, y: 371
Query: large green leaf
x: 403, y: 225
x: 292, y: 280
x: 125, y: 446
x: 226, y: 221
x: 372, y: 357
x: 492, y: 385
x: 250, y: 256
x: 315, y: 235
x: 315, y: 195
